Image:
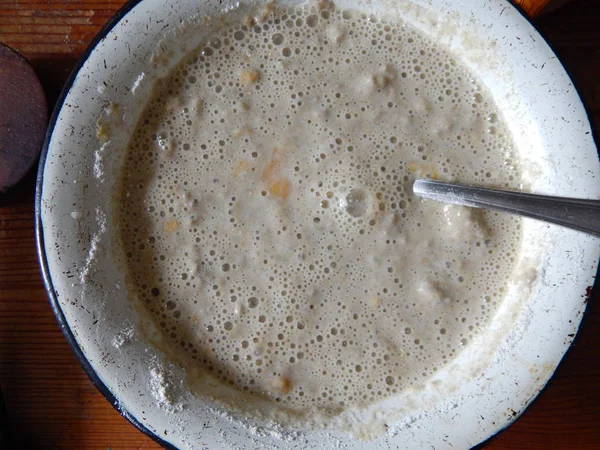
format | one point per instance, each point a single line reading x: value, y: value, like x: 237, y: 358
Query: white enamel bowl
x: 469, y: 402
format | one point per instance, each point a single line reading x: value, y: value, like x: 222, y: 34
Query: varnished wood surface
x: 50, y: 401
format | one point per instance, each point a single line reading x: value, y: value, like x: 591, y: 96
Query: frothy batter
x: 266, y: 215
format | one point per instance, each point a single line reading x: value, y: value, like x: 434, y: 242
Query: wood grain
x: 51, y: 402
x: 532, y: 7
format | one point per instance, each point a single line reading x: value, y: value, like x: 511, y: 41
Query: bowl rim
x: 39, y: 233
x: 114, y: 20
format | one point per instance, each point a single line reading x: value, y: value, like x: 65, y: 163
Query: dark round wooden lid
x: 23, y: 116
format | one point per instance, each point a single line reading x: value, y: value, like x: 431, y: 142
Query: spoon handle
x: 579, y: 214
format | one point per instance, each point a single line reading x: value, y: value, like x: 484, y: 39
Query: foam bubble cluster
x: 267, y: 217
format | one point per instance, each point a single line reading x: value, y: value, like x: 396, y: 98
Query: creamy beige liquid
x: 267, y: 217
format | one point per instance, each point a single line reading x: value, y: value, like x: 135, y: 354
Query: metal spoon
x: 579, y: 214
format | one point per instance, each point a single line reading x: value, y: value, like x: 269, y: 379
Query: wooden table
x: 50, y: 401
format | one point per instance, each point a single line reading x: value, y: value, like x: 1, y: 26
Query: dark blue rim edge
x: 39, y: 235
